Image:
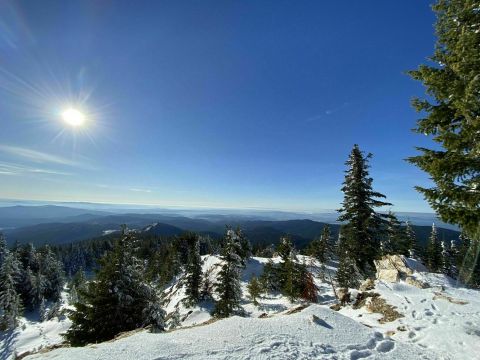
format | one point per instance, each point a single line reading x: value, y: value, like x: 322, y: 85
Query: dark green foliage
x: 118, y: 300
x: 287, y: 269
x: 10, y: 303
x: 410, y: 241
x: 254, y: 289
x: 363, y: 224
x: 269, y: 279
x: 322, y: 248
x: 347, y: 273
x: 193, y: 270
x: 228, y: 285
x: 451, y: 116
x: 434, y: 257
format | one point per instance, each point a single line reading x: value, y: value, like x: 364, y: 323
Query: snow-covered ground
x: 440, y: 322
x: 33, y: 335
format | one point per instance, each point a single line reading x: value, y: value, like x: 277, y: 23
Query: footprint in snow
x: 360, y: 354
x: 385, y: 346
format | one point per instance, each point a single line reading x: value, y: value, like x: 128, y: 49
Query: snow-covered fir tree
x: 411, y: 240
x: 347, y: 275
x: 434, y: 252
x: 446, y: 259
x: 321, y: 249
x: 393, y: 241
x: 363, y: 224
x: 245, y: 246
x: 228, y: 286
x: 118, y: 300
x: 175, y: 319
x: 193, y: 270
x: 52, y: 269
x: 3, y: 249
x: 10, y: 302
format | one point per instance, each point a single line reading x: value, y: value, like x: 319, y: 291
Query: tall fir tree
x: 228, y: 286
x: 363, y: 224
x: 434, y: 252
x: 193, y: 270
x: 10, y: 302
x: 452, y: 117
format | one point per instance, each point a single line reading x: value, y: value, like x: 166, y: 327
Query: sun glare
x: 73, y: 117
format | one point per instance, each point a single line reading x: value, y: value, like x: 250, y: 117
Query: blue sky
x: 209, y: 103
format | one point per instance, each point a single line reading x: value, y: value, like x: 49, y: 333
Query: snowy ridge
x: 440, y: 322
x: 315, y: 332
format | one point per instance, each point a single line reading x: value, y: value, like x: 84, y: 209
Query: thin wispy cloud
x: 39, y: 157
x: 18, y: 169
x: 140, y: 190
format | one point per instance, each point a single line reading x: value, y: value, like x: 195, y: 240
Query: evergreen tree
x: 321, y: 248
x: 434, y: 252
x: 411, y: 240
x: 287, y: 269
x: 269, y: 279
x: 453, y: 258
x: 245, y: 246
x: 347, y: 273
x: 254, y: 289
x: 363, y: 224
x: 452, y: 110
x: 394, y: 240
x: 193, y: 270
x: 228, y: 286
x: 207, y: 286
x: 3, y: 249
x: 10, y: 303
x: 28, y: 292
x: 446, y: 260
x: 175, y: 320
x: 118, y: 300
x: 52, y: 270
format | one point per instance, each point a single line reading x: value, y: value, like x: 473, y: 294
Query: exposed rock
x: 402, y: 328
x: 368, y: 284
x: 417, y: 283
x: 392, y: 268
x: 336, y: 307
x: 379, y: 305
x: 362, y: 297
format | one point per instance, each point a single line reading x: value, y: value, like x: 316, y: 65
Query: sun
x: 73, y: 117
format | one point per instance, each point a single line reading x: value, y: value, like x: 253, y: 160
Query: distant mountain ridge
x: 302, y: 231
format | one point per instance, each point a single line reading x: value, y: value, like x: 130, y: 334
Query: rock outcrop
x: 393, y: 268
